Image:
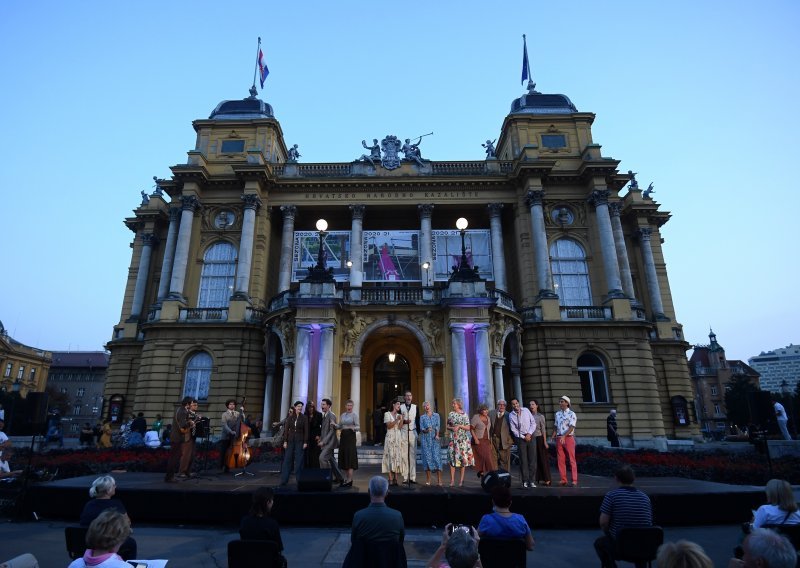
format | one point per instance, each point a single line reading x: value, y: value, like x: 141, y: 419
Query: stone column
x: 483, y: 365
x: 541, y: 255
x: 425, y: 243
x: 325, y: 368
x: 286, y: 388
x: 301, y: 366
x: 622, y: 251
x: 498, y: 256
x: 148, y: 241
x: 251, y: 205
x: 460, y: 375
x: 515, y: 376
x: 269, y: 385
x: 430, y: 394
x: 356, y: 247
x: 190, y: 204
x: 499, y: 390
x: 355, y: 384
x: 287, y: 242
x: 169, y: 253
x: 653, y: 288
x: 599, y: 199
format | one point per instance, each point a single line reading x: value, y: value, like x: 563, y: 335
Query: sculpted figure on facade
x: 430, y: 329
x: 374, y: 152
x: 293, y: 154
x: 412, y: 152
x: 391, y: 147
x: 647, y: 192
x: 633, y: 183
x: 145, y: 198
x: 490, y: 151
x: 518, y: 333
x: 496, y: 331
x: 357, y: 326
x: 286, y: 329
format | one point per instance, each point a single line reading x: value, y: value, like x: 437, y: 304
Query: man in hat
x: 564, y: 438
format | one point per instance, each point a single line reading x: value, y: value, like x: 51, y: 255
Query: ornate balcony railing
x: 255, y: 315
x: 504, y: 300
x: 472, y: 168
x: 279, y: 302
x: 392, y: 295
x: 203, y: 314
x: 531, y: 315
x: 638, y: 313
x: 585, y: 313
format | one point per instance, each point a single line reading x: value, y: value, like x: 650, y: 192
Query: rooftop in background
x: 80, y: 359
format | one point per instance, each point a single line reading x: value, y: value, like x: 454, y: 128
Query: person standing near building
x: 295, y: 441
x: 230, y: 430
x: 180, y: 435
x: 329, y: 442
x: 783, y: 420
x: 409, y: 411
x: 523, y: 428
x: 501, y: 435
x: 611, y: 428
x: 564, y: 437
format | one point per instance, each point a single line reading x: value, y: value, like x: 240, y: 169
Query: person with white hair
x: 378, y: 521
x: 102, y: 493
x: 564, y: 438
x: 764, y: 548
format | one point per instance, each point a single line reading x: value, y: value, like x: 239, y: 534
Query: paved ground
x: 205, y: 547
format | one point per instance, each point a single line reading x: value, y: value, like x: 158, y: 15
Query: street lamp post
x: 320, y: 273
x: 463, y: 272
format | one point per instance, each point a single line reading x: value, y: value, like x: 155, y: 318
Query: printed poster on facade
x: 336, y: 249
x: 447, y: 252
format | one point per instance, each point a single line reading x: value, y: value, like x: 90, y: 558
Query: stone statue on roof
x: 634, y: 184
x: 145, y: 198
x: 374, y: 152
x: 490, y: 151
x: 293, y: 154
x: 647, y: 192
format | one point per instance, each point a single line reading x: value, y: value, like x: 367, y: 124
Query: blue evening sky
x: 699, y: 97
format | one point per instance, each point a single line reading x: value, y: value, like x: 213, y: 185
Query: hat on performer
x: 566, y: 398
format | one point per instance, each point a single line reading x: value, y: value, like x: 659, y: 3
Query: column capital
x: 614, y: 209
x: 358, y: 210
x: 174, y: 214
x: 534, y: 197
x: 251, y: 201
x: 425, y: 209
x: 494, y: 209
x: 190, y: 203
x: 457, y: 328
x: 599, y: 197
x: 289, y: 211
x: 644, y: 233
x: 149, y: 239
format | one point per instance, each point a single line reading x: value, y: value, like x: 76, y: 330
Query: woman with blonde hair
x: 781, y: 508
x: 682, y: 554
x: 103, y: 540
x: 459, y: 450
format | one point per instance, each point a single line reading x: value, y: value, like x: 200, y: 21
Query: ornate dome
x: 535, y: 102
x: 250, y: 107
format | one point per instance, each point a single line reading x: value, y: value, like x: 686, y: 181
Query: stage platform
x: 221, y: 499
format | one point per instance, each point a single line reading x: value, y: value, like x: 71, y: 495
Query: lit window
x: 216, y: 279
x: 592, y: 373
x: 81, y: 391
x: 76, y: 410
x: 198, y: 376
x: 8, y: 370
x: 713, y: 389
x: 717, y: 409
x: 570, y: 273
x: 21, y: 372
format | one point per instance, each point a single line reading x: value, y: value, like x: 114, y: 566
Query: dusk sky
x: 699, y: 98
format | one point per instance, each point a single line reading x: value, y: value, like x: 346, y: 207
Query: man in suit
x: 328, y: 441
x: 181, y: 434
x: 230, y: 426
x: 502, y: 440
x: 409, y: 432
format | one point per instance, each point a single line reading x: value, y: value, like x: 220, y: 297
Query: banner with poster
x: 391, y: 256
x: 447, y: 252
x: 336, y: 247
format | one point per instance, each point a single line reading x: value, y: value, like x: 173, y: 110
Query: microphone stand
x: 408, y: 446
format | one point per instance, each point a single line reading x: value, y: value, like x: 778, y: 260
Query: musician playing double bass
x: 230, y: 431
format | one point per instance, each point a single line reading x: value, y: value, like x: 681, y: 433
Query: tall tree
x: 736, y: 396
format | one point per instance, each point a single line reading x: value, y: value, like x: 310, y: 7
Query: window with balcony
x: 570, y: 273
x: 198, y: 376
x: 216, y: 279
x: 594, y: 383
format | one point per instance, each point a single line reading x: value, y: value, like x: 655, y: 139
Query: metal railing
x: 203, y: 314
x: 393, y: 295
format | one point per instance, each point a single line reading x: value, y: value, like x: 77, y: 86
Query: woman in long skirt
x: 395, y: 448
x: 482, y: 442
x: 459, y: 451
x: 348, y: 455
x: 542, y: 453
x: 429, y: 425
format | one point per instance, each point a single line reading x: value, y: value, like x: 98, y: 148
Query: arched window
x: 198, y: 376
x: 594, y: 382
x: 216, y: 279
x: 570, y: 273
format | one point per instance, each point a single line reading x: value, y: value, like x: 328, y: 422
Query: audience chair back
x: 249, y: 553
x: 376, y: 554
x: 639, y: 545
x: 502, y: 552
x: 76, y: 541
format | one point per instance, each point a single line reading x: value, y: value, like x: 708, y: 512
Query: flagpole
x: 255, y: 70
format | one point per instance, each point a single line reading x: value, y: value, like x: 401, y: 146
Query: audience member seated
x: 6, y: 473
x: 151, y: 439
x: 257, y: 524
x: 502, y: 523
x: 102, y: 493
x: 682, y: 554
x: 781, y: 509
x: 459, y: 548
x: 764, y: 548
x: 624, y: 507
x: 104, y: 538
x: 378, y: 531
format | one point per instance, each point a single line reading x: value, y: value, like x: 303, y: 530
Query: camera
x: 454, y: 528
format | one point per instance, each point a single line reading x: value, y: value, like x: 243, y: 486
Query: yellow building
x: 557, y: 286
x: 24, y: 369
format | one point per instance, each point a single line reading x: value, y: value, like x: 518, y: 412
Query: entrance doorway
x: 391, y: 379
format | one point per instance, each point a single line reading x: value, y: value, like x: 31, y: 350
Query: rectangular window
x: 32, y: 376
x: 80, y: 392
x: 713, y: 390
x: 717, y: 409
x: 8, y: 370
x: 554, y: 141
x: 63, y: 390
x: 21, y: 372
x: 76, y: 410
x: 232, y: 146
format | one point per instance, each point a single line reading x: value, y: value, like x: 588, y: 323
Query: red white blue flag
x: 263, y: 70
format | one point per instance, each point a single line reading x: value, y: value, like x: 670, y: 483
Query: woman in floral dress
x: 459, y: 451
x: 395, y: 449
x: 429, y: 425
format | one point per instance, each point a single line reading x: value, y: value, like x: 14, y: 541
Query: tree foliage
x: 736, y: 396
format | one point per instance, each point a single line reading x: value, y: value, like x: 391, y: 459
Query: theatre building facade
x: 533, y: 273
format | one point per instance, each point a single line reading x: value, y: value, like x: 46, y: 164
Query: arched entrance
x: 390, y: 379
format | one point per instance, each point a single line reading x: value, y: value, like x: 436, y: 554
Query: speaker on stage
x: 494, y: 478
x: 314, y: 479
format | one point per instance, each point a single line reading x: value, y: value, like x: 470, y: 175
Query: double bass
x: 238, y: 453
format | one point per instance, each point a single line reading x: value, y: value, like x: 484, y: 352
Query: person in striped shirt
x: 623, y: 507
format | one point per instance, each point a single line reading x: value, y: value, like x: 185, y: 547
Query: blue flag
x: 526, y: 71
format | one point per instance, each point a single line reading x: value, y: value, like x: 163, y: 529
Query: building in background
x: 711, y: 372
x: 77, y: 378
x: 529, y: 273
x: 23, y: 369
x: 779, y: 369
